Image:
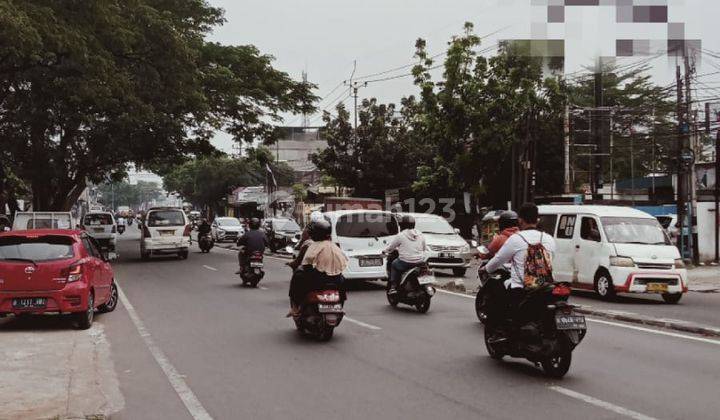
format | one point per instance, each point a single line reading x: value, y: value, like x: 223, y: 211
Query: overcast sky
x: 326, y: 36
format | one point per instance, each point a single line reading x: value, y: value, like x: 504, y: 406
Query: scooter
x: 206, y: 243
x: 121, y: 229
x: 547, y: 335
x: 320, y: 313
x: 415, y: 289
x: 252, y: 272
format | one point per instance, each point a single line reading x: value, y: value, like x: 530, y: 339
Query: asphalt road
x: 211, y: 348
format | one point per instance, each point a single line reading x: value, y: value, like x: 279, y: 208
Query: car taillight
x: 73, y: 273
x: 188, y: 230
x: 146, y: 231
x: 561, y: 290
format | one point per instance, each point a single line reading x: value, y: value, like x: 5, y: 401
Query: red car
x: 55, y: 271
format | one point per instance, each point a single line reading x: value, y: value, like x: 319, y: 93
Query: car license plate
x: 371, y: 262
x: 29, y: 303
x: 167, y: 232
x: 426, y: 279
x: 99, y: 230
x: 570, y: 322
x: 445, y: 255
x: 657, y: 288
x: 323, y: 309
x: 256, y: 264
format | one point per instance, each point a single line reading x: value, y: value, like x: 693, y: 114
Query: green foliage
x: 88, y: 87
x: 299, y: 192
x: 206, y: 182
x: 126, y: 194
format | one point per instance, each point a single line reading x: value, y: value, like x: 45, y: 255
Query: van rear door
x: 365, y: 233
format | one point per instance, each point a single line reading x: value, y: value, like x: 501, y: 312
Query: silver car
x: 445, y: 248
x: 226, y: 229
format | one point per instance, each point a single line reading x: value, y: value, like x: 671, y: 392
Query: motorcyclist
x: 305, y: 240
x: 253, y: 240
x: 410, y: 244
x: 322, y: 264
x: 507, y: 226
x: 514, y: 251
x: 204, y: 228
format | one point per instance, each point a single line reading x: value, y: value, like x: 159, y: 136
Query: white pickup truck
x: 43, y: 220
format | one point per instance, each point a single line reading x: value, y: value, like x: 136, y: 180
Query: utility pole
x: 598, y: 133
x: 716, y: 216
x: 691, y: 179
x: 567, y: 150
x: 355, y: 86
x: 679, y: 160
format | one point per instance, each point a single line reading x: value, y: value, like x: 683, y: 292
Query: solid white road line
x: 193, y: 405
x: 210, y: 268
x: 650, y: 330
x: 621, y: 325
x: 602, y: 404
x: 362, y: 324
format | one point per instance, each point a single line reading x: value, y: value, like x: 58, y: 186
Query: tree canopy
x: 87, y: 88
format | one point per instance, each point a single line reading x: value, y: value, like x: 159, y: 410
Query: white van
x: 101, y: 226
x: 613, y: 250
x: 165, y: 230
x: 363, y: 235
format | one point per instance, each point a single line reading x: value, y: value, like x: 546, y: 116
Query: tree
x: 206, y: 182
x: 87, y: 88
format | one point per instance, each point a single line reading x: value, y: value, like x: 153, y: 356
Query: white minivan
x: 363, y: 235
x: 165, y: 230
x: 612, y: 249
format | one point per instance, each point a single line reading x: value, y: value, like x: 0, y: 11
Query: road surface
x: 193, y: 344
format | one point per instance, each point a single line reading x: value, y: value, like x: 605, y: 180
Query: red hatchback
x: 55, y: 271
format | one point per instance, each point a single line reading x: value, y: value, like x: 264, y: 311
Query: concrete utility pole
x: 566, y: 149
x: 693, y: 143
x: 596, y: 161
x: 679, y: 164
x: 355, y: 86
x: 708, y: 130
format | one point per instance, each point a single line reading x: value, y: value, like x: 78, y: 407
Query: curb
x: 624, y: 317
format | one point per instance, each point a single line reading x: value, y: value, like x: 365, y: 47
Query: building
x: 295, y: 146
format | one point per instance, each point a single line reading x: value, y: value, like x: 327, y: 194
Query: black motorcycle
x: 415, y: 289
x: 121, y: 229
x: 548, y: 333
x: 206, y: 243
x: 252, y: 270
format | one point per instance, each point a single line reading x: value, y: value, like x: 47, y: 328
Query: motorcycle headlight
x: 679, y: 263
x: 622, y: 262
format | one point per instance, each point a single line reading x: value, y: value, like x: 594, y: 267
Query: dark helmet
x: 407, y: 222
x: 254, y: 223
x: 508, y: 219
x: 320, y: 230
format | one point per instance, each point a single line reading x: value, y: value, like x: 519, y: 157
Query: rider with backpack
x: 529, y: 253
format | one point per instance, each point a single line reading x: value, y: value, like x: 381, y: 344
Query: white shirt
x: 514, y: 251
x: 410, y: 244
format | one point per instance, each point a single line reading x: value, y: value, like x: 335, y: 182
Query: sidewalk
x: 70, y: 371
x: 704, y: 279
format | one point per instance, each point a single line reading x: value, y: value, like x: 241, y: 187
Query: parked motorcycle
x: 206, y: 243
x: 252, y: 272
x: 320, y: 312
x: 548, y: 334
x: 415, y: 289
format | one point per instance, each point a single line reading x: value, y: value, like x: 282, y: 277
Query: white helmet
x: 316, y: 216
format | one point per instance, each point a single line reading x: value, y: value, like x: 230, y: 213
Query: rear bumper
x: 160, y: 245
x: 455, y: 260
x: 72, y: 298
x: 355, y: 272
x: 633, y: 280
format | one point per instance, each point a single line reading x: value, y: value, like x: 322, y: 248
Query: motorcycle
x: 547, y: 336
x: 320, y: 312
x: 415, y: 289
x: 206, y: 243
x: 121, y: 229
x: 252, y: 271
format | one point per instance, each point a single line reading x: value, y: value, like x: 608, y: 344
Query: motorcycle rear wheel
x: 481, y: 306
x: 326, y: 333
x: 423, y: 304
x: 491, y: 348
x: 557, y: 364
x: 393, y: 299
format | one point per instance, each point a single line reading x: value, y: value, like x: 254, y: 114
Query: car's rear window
x: 97, y: 219
x: 42, y: 248
x: 166, y: 218
x: 366, y: 225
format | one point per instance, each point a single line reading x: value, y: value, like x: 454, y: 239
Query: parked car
x: 55, y: 271
x: 445, y: 248
x: 226, y: 229
x: 281, y: 233
x: 362, y: 235
x: 165, y: 230
x: 612, y: 249
x: 102, y: 227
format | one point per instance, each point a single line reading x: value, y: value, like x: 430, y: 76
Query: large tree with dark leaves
x: 88, y: 87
